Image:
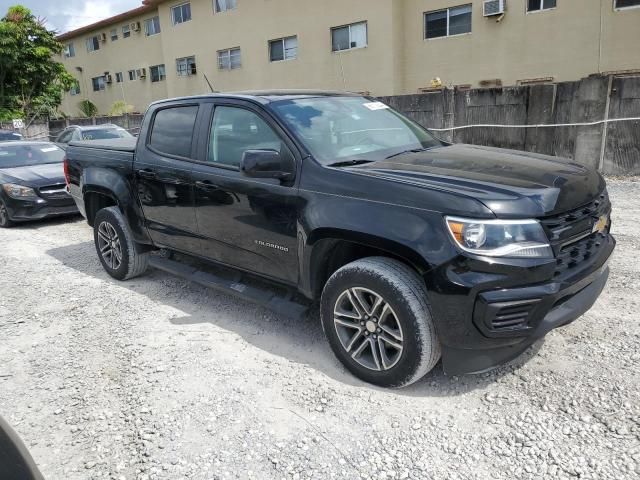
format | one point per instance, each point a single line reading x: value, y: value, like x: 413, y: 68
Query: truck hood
x: 34, y: 175
x: 510, y: 183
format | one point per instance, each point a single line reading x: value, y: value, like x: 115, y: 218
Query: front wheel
x: 377, y: 320
x: 5, y: 221
x: 115, y: 246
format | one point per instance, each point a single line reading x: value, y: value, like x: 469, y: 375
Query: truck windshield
x: 344, y: 129
x: 21, y: 155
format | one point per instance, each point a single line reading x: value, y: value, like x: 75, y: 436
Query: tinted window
x: 627, y: 3
x: 173, y: 130
x: 65, y: 137
x: 12, y: 155
x: 10, y: 136
x: 105, y: 133
x: 235, y: 130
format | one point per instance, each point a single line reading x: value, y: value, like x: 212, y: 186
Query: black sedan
x: 32, y: 184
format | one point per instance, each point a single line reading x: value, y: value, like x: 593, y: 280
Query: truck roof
x: 266, y: 96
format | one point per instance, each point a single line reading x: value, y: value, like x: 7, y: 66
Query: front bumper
x: 489, y: 312
x: 36, y: 209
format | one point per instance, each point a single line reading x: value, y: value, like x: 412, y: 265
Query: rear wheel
x: 377, y: 320
x: 5, y: 221
x: 115, y: 246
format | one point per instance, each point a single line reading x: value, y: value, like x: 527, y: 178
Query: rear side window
x: 172, y: 130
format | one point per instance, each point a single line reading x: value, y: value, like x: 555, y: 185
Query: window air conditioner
x: 491, y: 8
x: 135, y: 26
x: 141, y: 72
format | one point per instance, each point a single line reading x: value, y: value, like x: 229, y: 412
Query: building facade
x: 383, y: 47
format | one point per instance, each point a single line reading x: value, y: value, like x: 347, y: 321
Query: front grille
x: 572, y: 237
x: 54, y: 192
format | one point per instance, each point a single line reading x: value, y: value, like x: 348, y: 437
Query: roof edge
x: 146, y: 7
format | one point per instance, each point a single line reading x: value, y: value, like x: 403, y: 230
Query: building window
x: 186, y: 66
x: 126, y: 31
x: 132, y: 75
x: 448, y: 22
x: 181, y: 13
x: 119, y: 77
x: 537, y: 5
x: 98, y: 83
x: 349, y: 36
x: 157, y: 73
x: 152, y: 26
x: 224, y: 5
x: 283, y: 49
x: 229, y: 59
x: 93, y: 44
x: 627, y: 3
x: 75, y: 88
x: 69, y: 51
x: 114, y: 34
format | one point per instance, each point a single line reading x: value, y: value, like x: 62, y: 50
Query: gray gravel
x: 157, y: 378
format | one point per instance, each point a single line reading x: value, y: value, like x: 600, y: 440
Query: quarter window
x: 126, y: 31
x: 224, y: 5
x: 283, y: 49
x: 93, y: 44
x: 172, y: 130
x: 152, y: 26
x: 186, y: 66
x: 114, y: 34
x: 349, y: 36
x: 69, y: 51
x: 97, y: 83
x: 132, y: 75
x: 627, y: 3
x: 229, y: 59
x: 157, y: 73
x: 181, y: 13
x: 537, y: 5
x: 235, y: 130
x: 448, y: 22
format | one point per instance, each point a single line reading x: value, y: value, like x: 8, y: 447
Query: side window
x: 65, y: 137
x: 235, y: 130
x: 76, y: 134
x: 172, y: 130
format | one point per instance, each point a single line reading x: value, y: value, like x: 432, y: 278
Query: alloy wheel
x: 109, y: 245
x: 368, y: 328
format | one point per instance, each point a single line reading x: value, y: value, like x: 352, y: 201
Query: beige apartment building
x: 384, y: 47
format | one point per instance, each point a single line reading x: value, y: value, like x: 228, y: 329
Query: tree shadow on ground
x: 297, y: 340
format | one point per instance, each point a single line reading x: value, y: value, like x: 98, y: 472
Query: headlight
x: 500, y: 238
x: 19, y: 191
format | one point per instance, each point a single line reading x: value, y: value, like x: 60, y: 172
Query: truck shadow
x: 298, y: 341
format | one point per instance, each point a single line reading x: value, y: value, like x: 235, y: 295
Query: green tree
x: 120, y: 107
x: 32, y: 82
x: 88, y: 108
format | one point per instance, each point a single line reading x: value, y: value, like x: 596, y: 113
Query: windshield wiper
x: 412, y: 150
x: 348, y: 163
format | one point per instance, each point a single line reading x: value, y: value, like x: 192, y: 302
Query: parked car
x: 8, y: 135
x: 90, y: 132
x: 32, y: 182
x: 415, y: 248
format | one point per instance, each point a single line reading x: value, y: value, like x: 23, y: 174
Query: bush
x: 88, y: 108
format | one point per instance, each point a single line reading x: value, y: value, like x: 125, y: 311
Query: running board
x: 282, y: 305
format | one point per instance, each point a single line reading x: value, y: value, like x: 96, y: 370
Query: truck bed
x: 121, y: 144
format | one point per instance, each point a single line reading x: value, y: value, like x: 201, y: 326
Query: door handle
x: 206, y: 185
x: 146, y: 173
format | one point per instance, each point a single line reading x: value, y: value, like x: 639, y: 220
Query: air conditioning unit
x: 491, y: 8
x: 108, y: 78
x: 141, y: 73
x: 103, y: 37
x: 135, y: 26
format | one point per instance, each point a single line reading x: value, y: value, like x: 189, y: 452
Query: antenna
x: 209, y: 83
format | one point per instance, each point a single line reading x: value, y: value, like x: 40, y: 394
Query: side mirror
x: 268, y: 164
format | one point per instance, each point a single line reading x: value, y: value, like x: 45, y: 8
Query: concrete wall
x: 572, y: 41
x: 614, y: 148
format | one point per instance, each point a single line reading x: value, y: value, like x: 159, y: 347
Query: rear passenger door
x: 249, y: 223
x: 163, y: 177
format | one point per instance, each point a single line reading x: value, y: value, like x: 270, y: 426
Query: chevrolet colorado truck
x: 415, y: 249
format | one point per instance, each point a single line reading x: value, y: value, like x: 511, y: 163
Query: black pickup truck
x: 415, y: 249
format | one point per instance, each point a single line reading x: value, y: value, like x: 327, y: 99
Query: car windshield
x: 12, y: 155
x: 105, y: 133
x: 350, y: 129
x: 10, y: 136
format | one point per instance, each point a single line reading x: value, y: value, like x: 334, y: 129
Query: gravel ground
x: 157, y: 378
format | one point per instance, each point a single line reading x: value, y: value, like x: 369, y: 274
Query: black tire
x: 129, y: 263
x: 404, y: 292
x: 5, y: 221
